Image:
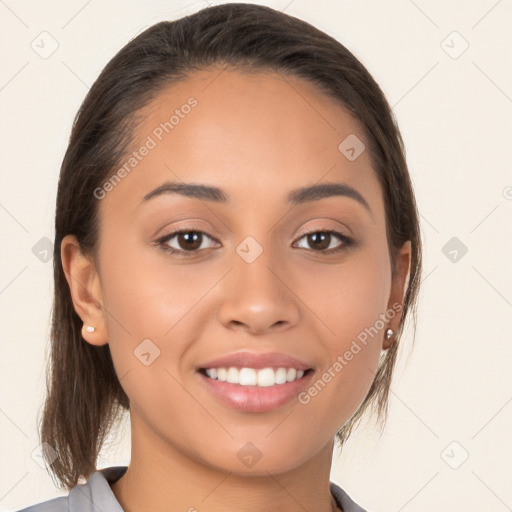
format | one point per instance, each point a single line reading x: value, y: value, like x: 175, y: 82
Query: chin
x: 251, y: 460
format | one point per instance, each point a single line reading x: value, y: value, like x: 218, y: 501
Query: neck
x: 161, y: 478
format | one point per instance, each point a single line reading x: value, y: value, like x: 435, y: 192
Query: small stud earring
x: 90, y: 328
x: 389, y: 333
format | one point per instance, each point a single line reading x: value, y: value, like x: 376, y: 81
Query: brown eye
x: 187, y: 242
x: 321, y: 241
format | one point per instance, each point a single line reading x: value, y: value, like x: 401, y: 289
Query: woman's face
x: 254, y: 283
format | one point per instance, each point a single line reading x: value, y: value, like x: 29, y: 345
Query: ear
x: 85, y: 289
x: 398, y: 288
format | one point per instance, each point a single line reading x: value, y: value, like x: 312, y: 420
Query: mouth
x: 264, y: 377
x: 254, y: 390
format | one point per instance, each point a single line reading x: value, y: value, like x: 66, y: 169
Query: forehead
x: 257, y: 134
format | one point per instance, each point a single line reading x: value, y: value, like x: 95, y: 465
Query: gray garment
x: 97, y: 496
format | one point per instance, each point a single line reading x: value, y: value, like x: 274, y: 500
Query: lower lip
x: 254, y: 398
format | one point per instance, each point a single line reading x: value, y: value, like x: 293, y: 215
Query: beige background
x: 452, y: 394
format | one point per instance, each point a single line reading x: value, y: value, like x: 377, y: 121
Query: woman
x: 237, y: 249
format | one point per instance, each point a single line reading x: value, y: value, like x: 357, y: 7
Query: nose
x: 258, y: 297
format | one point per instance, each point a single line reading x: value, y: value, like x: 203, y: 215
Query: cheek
x: 350, y: 300
x: 144, y: 301
x: 148, y: 313
x: 144, y: 294
x: 348, y: 297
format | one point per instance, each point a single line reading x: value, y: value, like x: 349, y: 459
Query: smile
x: 264, y: 377
x: 254, y: 390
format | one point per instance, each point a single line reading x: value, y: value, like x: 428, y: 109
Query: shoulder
x: 343, y: 499
x: 92, y: 496
x: 55, y: 505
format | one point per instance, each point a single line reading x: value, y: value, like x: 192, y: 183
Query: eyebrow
x: 297, y: 196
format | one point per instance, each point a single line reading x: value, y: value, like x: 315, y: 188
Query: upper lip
x: 256, y: 360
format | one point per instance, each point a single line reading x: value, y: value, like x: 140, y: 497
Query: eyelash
x: 347, y: 241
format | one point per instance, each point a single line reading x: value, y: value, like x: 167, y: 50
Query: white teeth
x: 266, y: 377
x: 232, y: 376
x: 291, y: 374
x: 281, y: 376
x: 251, y: 377
x: 212, y: 373
x: 247, y: 377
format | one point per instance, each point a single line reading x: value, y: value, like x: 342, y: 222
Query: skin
x: 257, y: 137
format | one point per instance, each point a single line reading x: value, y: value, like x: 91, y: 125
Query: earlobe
x: 85, y: 289
x: 398, y: 290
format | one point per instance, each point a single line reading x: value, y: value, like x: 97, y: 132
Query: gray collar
x: 97, y: 496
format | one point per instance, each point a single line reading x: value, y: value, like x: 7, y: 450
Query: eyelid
x: 341, y: 227
x: 191, y: 224
x: 184, y: 229
x: 309, y: 231
x: 346, y: 241
x: 302, y: 232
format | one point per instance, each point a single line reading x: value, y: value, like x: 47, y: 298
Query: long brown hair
x: 84, y: 397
